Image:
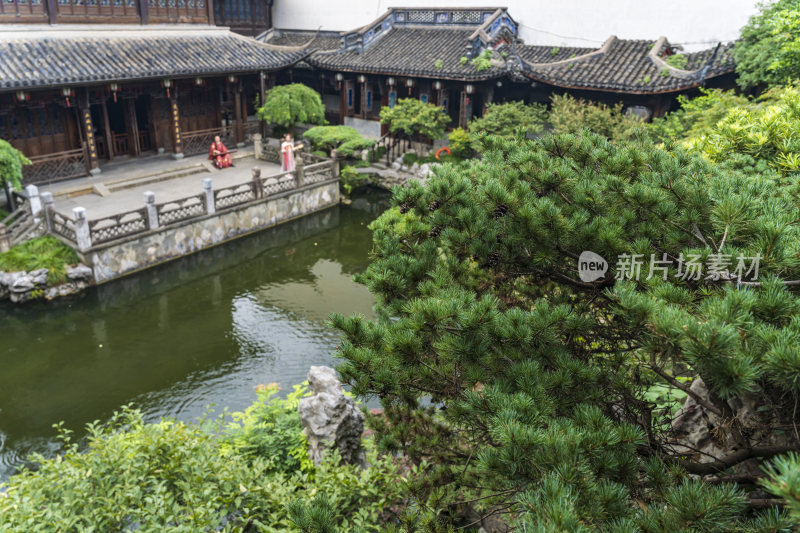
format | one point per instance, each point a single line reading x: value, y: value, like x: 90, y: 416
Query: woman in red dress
x: 219, y: 154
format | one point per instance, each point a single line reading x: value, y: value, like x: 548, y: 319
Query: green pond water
x: 203, y: 330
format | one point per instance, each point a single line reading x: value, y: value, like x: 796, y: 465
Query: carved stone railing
x: 178, y: 210
x: 277, y: 184
x: 55, y: 167
x: 83, y: 234
x: 118, y: 226
x: 318, y: 171
x: 63, y: 226
x: 234, y: 195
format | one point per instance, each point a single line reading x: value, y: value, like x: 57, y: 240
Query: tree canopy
x: 415, y: 118
x: 287, y: 105
x: 510, y: 119
x: 520, y: 387
x: 768, y: 52
x: 11, y: 161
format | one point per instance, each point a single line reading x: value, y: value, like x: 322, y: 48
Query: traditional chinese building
x: 86, y: 82
x: 463, y: 59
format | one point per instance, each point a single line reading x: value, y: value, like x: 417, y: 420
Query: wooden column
x: 238, y: 129
x: 465, y: 109
x: 132, y: 126
x: 177, y: 145
x: 109, y: 133
x: 143, y: 13
x: 210, y: 11
x: 86, y: 126
x: 52, y: 11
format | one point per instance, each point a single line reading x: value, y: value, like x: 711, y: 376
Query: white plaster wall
x: 694, y: 23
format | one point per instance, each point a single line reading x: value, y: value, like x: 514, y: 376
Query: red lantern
x: 66, y: 92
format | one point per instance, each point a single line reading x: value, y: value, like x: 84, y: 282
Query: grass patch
x: 43, y: 252
x: 3, y: 214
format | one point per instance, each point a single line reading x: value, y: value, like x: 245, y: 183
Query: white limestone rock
x: 331, y: 419
x: 79, y: 272
x: 22, y: 284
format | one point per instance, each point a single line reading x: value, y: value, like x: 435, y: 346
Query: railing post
x: 335, y: 162
x: 47, y: 198
x: 5, y: 239
x: 208, y: 189
x: 299, y: 168
x: 82, y: 234
x: 257, y: 147
x: 152, y: 211
x: 258, y: 187
x: 34, y: 202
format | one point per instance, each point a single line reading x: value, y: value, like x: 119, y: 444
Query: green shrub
x: 697, y: 116
x: 415, y: 118
x: 508, y: 120
x: 344, y: 138
x: 677, y: 61
x: 482, y: 61
x: 173, y: 476
x: 320, y: 153
x: 460, y: 143
x: 768, y: 51
x: 271, y: 429
x: 348, y: 148
x: 11, y: 162
x: 43, y: 252
x: 286, y: 105
x: 350, y: 179
x: 409, y: 159
x: 571, y: 115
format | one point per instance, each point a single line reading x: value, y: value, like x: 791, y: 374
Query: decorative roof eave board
x: 490, y: 75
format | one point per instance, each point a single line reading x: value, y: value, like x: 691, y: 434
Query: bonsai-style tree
x: 286, y: 105
x: 509, y: 120
x: 11, y: 161
x: 415, y: 118
x: 530, y: 384
x: 768, y: 52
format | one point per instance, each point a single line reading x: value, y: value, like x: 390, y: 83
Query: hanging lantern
x: 339, y: 77
x: 22, y: 96
x: 66, y: 92
x: 469, y: 88
x: 409, y: 84
x: 199, y: 82
x: 390, y: 81
x: 167, y: 84
x: 114, y: 88
x: 499, y: 83
x: 437, y: 85
x: 362, y: 78
x: 231, y: 78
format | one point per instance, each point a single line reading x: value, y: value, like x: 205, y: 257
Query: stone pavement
x: 121, y: 186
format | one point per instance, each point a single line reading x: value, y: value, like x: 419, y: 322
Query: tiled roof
x: 627, y: 66
x: 410, y: 51
x: 66, y: 58
x: 327, y: 40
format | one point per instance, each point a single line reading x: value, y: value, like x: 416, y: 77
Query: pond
x: 200, y: 331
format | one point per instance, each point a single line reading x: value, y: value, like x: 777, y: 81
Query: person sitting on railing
x: 287, y: 153
x: 220, y: 154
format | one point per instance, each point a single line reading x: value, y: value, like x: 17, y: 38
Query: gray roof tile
x: 60, y: 60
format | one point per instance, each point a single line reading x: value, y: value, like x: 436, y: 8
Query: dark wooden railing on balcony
x: 121, y: 146
x: 54, y: 167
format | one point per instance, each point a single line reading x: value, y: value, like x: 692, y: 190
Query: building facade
x: 466, y: 58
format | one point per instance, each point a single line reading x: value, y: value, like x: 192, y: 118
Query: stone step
x: 138, y: 181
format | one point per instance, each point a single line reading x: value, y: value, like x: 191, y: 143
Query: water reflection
x: 202, y: 330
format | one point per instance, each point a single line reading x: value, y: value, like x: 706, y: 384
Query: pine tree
x: 522, y: 390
